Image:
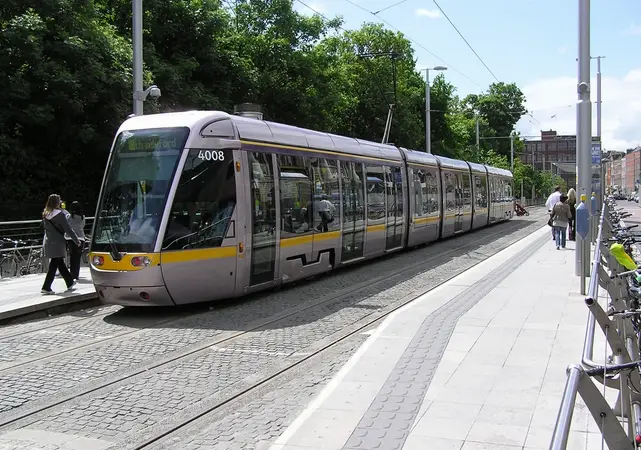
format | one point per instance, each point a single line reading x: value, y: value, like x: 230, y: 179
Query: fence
x: 21, y: 247
x: 620, y: 424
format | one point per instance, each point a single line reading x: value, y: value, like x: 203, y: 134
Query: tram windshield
x: 136, y: 186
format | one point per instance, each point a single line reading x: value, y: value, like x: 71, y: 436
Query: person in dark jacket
x: 54, y: 245
x: 77, y: 221
x: 572, y: 203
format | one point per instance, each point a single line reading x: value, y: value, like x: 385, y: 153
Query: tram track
x: 47, y: 355
x: 365, y: 323
x: 38, y: 409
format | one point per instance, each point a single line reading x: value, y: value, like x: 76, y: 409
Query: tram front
x: 162, y: 223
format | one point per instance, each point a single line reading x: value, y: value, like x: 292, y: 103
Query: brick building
x: 553, y: 152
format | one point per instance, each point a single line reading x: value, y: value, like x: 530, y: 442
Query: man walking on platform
x: 552, y: 200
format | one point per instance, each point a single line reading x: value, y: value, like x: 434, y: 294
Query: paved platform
x: 477, y: 363
x: 21, y: 295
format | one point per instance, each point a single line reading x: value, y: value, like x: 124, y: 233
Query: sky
x: 533, y: 43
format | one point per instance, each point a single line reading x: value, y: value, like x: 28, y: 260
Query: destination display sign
x: 145, y: 141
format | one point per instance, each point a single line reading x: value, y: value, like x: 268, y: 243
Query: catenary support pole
x: 137, y: 56
x: 584, y: 130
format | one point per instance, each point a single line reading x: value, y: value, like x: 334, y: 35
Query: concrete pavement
x: 477, y: 363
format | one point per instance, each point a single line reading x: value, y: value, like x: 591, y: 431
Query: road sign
x: 596, y: 153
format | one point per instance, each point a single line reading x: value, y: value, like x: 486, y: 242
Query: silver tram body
x: 198, y: 206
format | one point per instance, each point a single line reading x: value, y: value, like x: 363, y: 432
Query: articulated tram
x: 198, y: 206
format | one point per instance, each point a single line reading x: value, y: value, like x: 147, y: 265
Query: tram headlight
x: 140, y: 261
x: 98, y: 260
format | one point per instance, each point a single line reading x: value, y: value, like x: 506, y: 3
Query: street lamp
x: 428, y: 137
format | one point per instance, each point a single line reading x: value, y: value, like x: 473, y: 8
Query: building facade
x: 555, y: 153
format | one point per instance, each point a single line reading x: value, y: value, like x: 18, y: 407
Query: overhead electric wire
x: 449, y: 66
x: 465, y: 40
x: 388, y: 7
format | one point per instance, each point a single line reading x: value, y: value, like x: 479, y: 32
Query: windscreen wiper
x: 115, y: 253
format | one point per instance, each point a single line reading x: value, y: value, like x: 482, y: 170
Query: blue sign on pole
x: 596, y: 153
x: 582, y: 220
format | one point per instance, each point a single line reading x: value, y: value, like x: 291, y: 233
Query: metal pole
x: 137, y: 63
x: 584, y: 132
x: 428, y: 137
x: 598, y: 95
x: 478, y: 137
x: 512, y: 153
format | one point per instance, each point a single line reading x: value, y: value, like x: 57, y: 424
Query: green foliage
x: 66, y: 77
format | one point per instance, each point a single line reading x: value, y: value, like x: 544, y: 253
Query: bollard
x: 582, y: 224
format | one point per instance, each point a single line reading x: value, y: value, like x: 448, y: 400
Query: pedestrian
x: 572, y: 222
x: 56, y: 225
x: 77, y: 221
x: 551, y: 201
x: 561, y: 217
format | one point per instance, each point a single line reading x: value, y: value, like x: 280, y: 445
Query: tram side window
x: 492, y: 190
x: 375, y: 192
x: 204, y: 202
x: 394, y: 189
x: 432, y: 191
x: 353, y: 202
x: 296, y: 205
x: 421, y: 200
x: 398, y: 177
x: 481, y: 191
x: 425, y: 192
x: 450, y: 195
x: 326, y: 194
x: 467, y: 190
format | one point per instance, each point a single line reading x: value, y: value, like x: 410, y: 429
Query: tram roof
x: 418, y: 157
x: 251, y: 129
x: 191, y: 119
x: 497, y: 171
x: 478, y: 168
x: 449, y: 163
x: 280, y: 134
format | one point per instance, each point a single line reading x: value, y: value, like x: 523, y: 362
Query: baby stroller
x: 520, y: 211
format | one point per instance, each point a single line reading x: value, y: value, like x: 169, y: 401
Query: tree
x: 65, y: 78
x: 499, y: 109
x: 65, y: 69
x: 366, y: 63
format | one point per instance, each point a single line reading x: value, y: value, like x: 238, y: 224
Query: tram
x: 198, y: 206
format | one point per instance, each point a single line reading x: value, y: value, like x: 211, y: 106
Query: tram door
x: 458, y: 224
x: 353, y: 210
x: 263, y: 204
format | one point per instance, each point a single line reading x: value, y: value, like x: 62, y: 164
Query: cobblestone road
x: 140, y: 406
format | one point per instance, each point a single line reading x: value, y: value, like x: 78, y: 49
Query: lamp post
x: 139, y: 96
x: 428, y: 137
x: 584, y: 134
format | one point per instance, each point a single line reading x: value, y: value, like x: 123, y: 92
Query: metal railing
x: 620, y: 424
x: 21, y: 247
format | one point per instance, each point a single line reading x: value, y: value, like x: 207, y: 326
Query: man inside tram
x: 326, y: 210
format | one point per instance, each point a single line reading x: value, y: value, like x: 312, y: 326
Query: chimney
x: 249, y: 110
